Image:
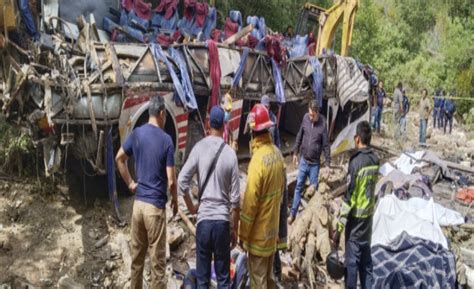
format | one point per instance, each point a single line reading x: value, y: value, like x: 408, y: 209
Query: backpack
x: 406, y: 104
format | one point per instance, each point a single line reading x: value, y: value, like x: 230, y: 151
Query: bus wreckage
x: 87, y: 93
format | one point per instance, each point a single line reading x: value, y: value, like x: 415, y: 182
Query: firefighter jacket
x: 260, y: 211
x: 358, y: 205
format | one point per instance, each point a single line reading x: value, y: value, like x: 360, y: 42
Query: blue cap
x: 216, y: 117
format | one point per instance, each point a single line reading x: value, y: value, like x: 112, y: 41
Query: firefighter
x: 259, y: 218
x: 357, y: 210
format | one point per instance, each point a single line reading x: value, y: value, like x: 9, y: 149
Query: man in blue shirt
x: 153, y: 152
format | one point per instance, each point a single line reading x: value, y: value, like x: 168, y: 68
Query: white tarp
x: 418, y: 217
x: 408, y: 161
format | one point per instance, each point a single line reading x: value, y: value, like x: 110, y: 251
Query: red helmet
x: 259, y: 119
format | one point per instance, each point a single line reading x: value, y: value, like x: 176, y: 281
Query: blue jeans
x: 423, y: 131
x: 377, y: 118
x: 213, y: 240
x: 441, y: 119
x: 403, y: 127
x: 358, y: 263
x: 304, y: 170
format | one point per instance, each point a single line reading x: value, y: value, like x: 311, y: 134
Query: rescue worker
x: 153, y: 152
x: 437, y: 107
x: 441, y: 112
x: 449, y: 110
x: 283, y: 227
x: 274, y: 132
x: 311, y: 141
x: 259, y: 218
x: 215, y: 164
x: 357, y: 210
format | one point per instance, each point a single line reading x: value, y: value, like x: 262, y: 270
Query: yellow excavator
x: 327, y: 21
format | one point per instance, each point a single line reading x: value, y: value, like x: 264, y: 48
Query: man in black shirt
x: 311, y: 141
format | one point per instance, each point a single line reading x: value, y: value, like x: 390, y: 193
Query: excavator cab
x: 324, y: 22
x: 308, y: 20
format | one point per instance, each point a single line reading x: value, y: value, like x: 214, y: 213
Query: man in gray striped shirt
x: 216, y: 229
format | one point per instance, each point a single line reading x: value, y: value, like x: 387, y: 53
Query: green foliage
x: 17, y: 154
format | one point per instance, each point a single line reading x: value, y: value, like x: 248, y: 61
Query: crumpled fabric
x: 318, y: 78
x: 27, y: 18
x: 166, y: 40
x: 189, y: 6
x: 190, y: 98
x: 216, y: 35
x: 351, y: 83
x: 160, y: 55
x: 274, y: 48
x: 241, y: 68
x: 210, y: 24
x: 168, y: 7
x: 202, y: 9
x: 142, y: 9
x: 299, y: 46
x: 127, y: 4
x: 236, y: 17
x: 279, y: 91
x: 215, y: 72
x: 230, y: 28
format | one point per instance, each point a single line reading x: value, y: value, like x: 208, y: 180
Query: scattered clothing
x: 27, y: 19
x: 351, y: 83
x: 215, y: 73
x: 466, y: 195
x: 411, y: 262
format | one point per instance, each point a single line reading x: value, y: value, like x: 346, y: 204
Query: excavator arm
x: 328, y: 20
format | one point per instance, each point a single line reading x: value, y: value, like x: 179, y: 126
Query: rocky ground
x: 54, y: 235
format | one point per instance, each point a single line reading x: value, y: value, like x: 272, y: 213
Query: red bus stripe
x: 236, y: 112
x: 132, y: 101
x: 181, y: 117
x: 234, y: 124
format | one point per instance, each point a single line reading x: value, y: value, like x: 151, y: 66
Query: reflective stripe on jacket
x: 359, y: 201
x: 260, y: 213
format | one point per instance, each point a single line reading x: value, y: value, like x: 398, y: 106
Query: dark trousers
x: 448, y: 120
x: 213, y: 240
x: 358, y: 262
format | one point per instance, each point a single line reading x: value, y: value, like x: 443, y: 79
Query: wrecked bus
x: 77, y: 89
